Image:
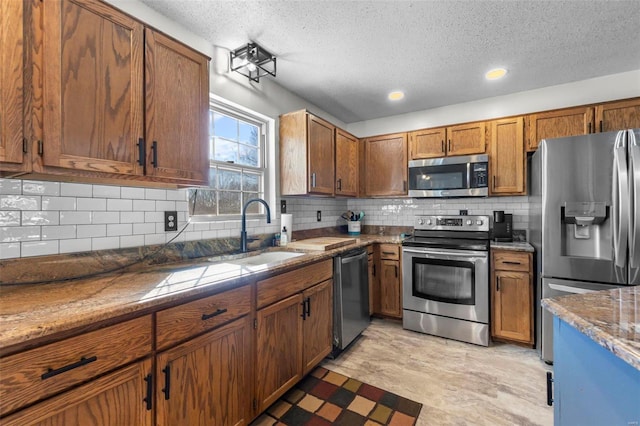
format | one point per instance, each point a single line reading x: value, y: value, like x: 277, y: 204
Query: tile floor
x: 458, y: 383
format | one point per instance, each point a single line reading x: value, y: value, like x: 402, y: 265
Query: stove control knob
x: 428, y: 221
x: 469, y: 222
x: 479, y: 222
x: 420, y: 221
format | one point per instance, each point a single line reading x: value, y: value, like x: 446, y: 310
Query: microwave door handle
x: 469, y: 175
x: 620, y: 197
x: 634, y: 182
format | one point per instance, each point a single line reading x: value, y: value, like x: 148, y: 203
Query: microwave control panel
x: 479, y: 175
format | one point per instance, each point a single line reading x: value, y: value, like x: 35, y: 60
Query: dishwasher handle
x: 355, y: 257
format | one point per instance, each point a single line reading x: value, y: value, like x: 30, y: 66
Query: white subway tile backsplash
x: 118, y: 229
x: 106, y: 191
x: 131, y: 217
x: 133, y: 193
x: 155, y: 194
x: 152, y: 239
x: 75, y: 218
x: 105, y: 243
x: 106, y: 217
x: 177, y: 195
x: 131, y: 241
x: 76, y: 190
x: 32, y: 187
x: 10, y: 234
x: 91, y: 204
x: 61, y: 232
x: 144, y: 228
x: 74, y: 246
x: 9, y: 250
x: 144, y: 205
x: 10, y: 187
x: 154, y: 217
x: 58, y: 203
x: 39, y: 248
x: 9, y: 218
x: 40, y: 218
x: 89, y: 231
x: 19, y: 202
x: 114, y: 204
x: 165, y: 205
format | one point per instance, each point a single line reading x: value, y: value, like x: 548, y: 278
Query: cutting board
x: 321, y: 243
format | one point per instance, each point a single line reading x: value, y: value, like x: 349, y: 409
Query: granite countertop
x: 611, y: 318
x: 515, y: 246
x: 36, y: 312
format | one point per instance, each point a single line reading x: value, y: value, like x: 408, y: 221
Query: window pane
x: 248, y: 134
x: 249, y: 156
x: 229, y: 179
x: 250, y: 182
x: 225, y: 127
x: 254, y: 208
x: 213, y: 177
x: 205, y: 202
x: 225, y: 150
x: 211, y: 117
x: 229, y: 202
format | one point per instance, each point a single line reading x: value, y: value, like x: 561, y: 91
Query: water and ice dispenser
x: 586, y: 232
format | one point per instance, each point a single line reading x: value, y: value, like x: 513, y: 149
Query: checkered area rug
x: 328, y: 398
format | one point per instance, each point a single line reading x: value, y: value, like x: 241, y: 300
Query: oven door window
x: 440, y: 280
x: 443, y: 177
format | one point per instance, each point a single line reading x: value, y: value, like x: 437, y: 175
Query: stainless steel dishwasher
x: 351, y: 298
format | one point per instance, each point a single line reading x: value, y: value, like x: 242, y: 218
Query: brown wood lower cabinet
x: 206, y: 380
x: 120, y: 398
x: 388, y: 297
x: 293, y: 336
x: 512, y: 296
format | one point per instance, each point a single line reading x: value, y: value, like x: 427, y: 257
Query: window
x: 238, y: 164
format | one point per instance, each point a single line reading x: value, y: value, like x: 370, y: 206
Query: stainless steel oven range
x: 445, y: 284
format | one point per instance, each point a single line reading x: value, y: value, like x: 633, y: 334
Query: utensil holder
x: 353, y: 227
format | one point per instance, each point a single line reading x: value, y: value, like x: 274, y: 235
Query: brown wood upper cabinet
x: 307, y: 154
x: 557, y: 124
x: 386, y: 165
x: 507, y: 159
x: 93, y: 70
x: 11, y: 86
x: 463, y: 139
x: 347, y: 164
x: 618, y: 115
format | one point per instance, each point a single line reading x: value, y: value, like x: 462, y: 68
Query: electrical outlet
x: 319, y: 215
x: 171, y: 221
x: 283, y: 206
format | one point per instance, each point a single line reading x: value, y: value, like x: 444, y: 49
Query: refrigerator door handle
x: 568, y: 289
x: 634, y: 192
x: 620, y: 200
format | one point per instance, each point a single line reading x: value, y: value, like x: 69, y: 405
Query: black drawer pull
x: 214, y: 314
x: 167, y: 381
x: 549, y: 388
x: 149, y: 398
x: 83, y: 361
x: 511, y: 263
x: 391, y: 253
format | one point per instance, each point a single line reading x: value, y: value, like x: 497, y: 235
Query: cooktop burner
x: 453, y: 232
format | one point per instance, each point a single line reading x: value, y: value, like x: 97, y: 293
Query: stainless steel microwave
x: 461, y: 176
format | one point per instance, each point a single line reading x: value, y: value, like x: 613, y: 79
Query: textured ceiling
x: 345, y: 56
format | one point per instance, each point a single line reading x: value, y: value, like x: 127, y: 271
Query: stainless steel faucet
x: 243, y: 233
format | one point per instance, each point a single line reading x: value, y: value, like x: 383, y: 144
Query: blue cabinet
x: 592, y: 386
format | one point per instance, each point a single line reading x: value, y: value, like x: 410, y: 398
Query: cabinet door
x: 386, y: 165
x: 317, y: 325
x: 390, y: 288
x: 321, y: 155
x: 466, y: 139
x: 92, y: 76
x: 346, y: 164
x: 205, y: 381
x: 512, y: 306
x: 177, y: 110
x: 507, y: 157
x: 120, y: 398
x: 618, y: 115
x: 11, y: 85
x: 427, y: 143
x: 279, y: 349
x: 557, y: 124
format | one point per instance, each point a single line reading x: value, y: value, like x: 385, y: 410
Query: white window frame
x: 268, y: 160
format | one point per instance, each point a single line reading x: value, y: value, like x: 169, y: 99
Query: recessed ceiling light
x: 495, y: 74
x: 396, y: 95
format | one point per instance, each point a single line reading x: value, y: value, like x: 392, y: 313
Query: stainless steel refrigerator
x: 584, y: 218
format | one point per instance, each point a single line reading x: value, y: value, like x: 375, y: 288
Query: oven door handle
x: 458, y: 253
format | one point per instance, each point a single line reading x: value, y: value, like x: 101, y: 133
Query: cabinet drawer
x: 38, y: 373
x: 280, y: 286
x: 506, y: 260
x: 390, y: 251
x: 181, y: 322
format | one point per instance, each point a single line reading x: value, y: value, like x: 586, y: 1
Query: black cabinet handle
x: 589, y: 127
x: 213, y: 314
x: 549, y: 388
x: 388, y: 252
x: 498, y: 284
x: 507, y: 262
x: 494, y: 181
x: 374, y: 269
x: 449, y: 147
x: 339, y: 184
x: 404, y: 185
x: 304, y: 309
x: 141, y: 151
x: 442, y: 145
x: 167, y: 381
x: 149, y: 398
x: 396, y: 267
x: 308, y: 306
x: 154, y: 152
x: 83, y: 361
x: 600, y: 126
